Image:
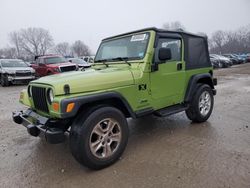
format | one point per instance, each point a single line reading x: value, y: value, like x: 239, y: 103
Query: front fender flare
x: 79, y: 101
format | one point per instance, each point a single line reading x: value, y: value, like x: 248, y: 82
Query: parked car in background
x: 15, y: 70
x: 80, y: 62
x: 240, y: 59
x: 248, y: 58
x: 52, y: 64
x: 89, y: 59
x: 244, y: 57
x: 233, y: 58
x: 27, y: 63
x: 215, y: 62
x: 223, y: 61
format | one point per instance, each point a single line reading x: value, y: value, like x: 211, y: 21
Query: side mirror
x: 164, y: 54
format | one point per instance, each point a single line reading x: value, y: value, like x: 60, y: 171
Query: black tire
x: 4, y: 81
x: 194, y: 111
x: 81, y: 135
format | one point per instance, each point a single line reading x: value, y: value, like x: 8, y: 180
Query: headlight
x: 50, y: 95
x: 9, y: 71
x: 56, y: 69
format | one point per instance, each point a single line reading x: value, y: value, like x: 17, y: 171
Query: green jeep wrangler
x: 149, y: 71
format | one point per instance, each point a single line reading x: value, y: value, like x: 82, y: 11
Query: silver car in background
x: 14, y: 70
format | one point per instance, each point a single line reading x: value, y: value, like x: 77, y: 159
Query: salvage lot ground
x: 162, y: 152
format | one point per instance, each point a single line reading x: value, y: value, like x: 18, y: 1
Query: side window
x: 173, y: 44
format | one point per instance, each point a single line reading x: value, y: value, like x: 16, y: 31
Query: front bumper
x: 38, y: 125
x: 20, y: 78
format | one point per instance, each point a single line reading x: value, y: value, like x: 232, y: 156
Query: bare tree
x: 80, y: 49
x: 218, y: 39
x: 35, y: 41
x: 237, y: 41
x: 16, y: 40
x: 174, y: 26
x: 8, y: 53
x: 63, y: 48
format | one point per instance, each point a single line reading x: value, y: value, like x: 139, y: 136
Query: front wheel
x: 98, y: 137
x: 201, y: 105
x: 4, y: 81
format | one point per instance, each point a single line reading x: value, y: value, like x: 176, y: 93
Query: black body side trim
x: 192, y: 85
x: 171, y: 110
x: 144, y: 112
x: 79, y: 101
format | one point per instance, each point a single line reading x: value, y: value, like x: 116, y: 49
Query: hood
x: 88, y: 80
x: 12, y: 69
x: 60, y: 64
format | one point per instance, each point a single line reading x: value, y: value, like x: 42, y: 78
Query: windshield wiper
x: 125, y: 59
x: 103, y: 61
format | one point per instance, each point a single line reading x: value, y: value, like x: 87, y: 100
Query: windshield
x: 78, y: 61
x: 13, y: 63
x: 53, y: 60
x: 130, y: 47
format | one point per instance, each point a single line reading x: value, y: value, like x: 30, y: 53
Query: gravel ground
x: 162, y: 152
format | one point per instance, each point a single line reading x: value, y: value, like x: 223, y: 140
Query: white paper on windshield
x: 140, y: 37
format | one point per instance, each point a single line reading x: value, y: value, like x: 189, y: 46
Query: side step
x: 170, y: 110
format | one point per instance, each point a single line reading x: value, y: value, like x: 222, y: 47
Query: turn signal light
x: 55, y: 106
x: 70, y: 107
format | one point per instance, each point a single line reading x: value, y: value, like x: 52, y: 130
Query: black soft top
x: 181, y: 32
x: 196, y: 53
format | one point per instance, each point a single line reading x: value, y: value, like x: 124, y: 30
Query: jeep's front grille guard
x: 39, y: 98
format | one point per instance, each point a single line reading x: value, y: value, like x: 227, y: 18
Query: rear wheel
x: 99, y: 137
x: 201, y: 105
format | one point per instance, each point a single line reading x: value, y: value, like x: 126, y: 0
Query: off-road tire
x: 4, y: 81
x: 194, y: 112
x: 82, y: 129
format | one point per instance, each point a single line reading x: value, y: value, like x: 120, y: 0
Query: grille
x: 23, y: 73
x: 39, y: 98
x: 68, y: 68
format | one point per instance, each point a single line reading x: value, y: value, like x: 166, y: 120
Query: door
x: 167, y: 83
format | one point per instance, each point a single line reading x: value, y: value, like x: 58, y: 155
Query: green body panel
x: 141, y: 87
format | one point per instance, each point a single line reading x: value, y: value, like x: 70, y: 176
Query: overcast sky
x: 92, y: 20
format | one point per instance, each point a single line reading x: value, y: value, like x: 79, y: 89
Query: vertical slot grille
x: 39, y: 98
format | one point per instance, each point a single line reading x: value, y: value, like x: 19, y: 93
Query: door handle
x: 179, y: 66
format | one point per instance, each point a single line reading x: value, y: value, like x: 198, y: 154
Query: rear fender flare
x: 205, y: 78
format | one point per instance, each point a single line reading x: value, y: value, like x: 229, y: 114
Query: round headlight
x: 50, y: 96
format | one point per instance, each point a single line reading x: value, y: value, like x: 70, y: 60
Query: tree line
x: 27, y: 43
x: 237, y: 41
x: 221, y: 42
